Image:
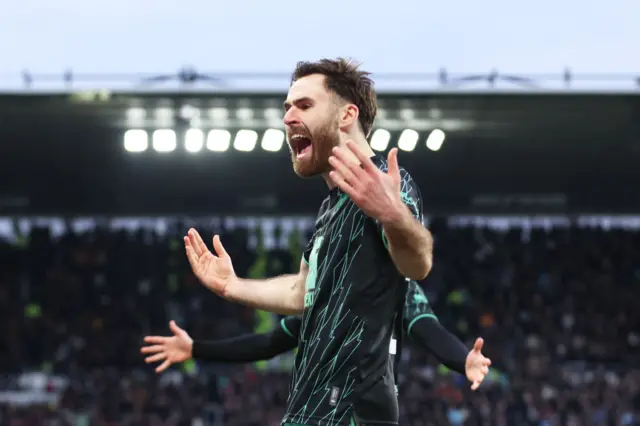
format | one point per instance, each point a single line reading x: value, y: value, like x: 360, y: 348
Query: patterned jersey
x: 353, y: 293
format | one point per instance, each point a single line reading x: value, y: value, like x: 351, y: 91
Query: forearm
x: 410, y: 245
x: 446, y: 347
x: 281, y: 295
x: 248, y: 348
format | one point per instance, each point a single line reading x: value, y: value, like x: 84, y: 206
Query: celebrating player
x: 368, y: 237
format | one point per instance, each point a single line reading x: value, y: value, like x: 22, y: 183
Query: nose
x: 290, y: 118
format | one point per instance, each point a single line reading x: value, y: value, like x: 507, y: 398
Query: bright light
x: 435, y: 139
x: 380, y: 140
x: 136, y: 140
x: 164, y: 140
x: 188, y: 112
x: 136, y: 116
x: 244, y: 114
x: 272, y: 140
x: 218, y: 140
x: 408, y: 140
x: 193, y: 140
x: 407, y: 114
x: 245, y: 140
x: 273, y: 114
x: 218, y: 113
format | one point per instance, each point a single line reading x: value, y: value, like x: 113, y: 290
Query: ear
x: 349, y: 114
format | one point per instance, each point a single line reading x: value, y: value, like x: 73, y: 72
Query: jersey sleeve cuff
x: 418, y: 318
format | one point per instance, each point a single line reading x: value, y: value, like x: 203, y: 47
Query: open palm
x: 215, y: 271
x: 477, y: 365
x: 168, y: 349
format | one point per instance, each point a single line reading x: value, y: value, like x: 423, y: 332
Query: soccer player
x: 419, y: 323
x: 368, y: 237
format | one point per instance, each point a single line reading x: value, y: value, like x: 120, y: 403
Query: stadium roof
x: 503, y: 152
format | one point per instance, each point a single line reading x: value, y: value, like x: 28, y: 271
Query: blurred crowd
x: 557, y: 309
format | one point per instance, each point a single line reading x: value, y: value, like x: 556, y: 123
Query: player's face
x: 312, y: 125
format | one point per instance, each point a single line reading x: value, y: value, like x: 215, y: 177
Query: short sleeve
x: 291, y: 325
x: 416, y: 307
x: 410, y: 194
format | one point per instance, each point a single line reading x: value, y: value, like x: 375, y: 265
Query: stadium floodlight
x: 244, y: 114
x: 194, y: 140
x: 136, y: 117
x: 164, y: 140
x: 408, y: 140
x: 218, y: 140
x: 380, y: 140
x: 245, y: 140
x: 272, y: 140
x: 219, y: 114
x: 136, y: 140
x: 435, y: 140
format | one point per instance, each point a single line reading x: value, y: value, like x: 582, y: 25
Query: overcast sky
x: 160, y: 36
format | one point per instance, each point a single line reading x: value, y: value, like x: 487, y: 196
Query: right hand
x: 214, y: 271
x: 174, y: 349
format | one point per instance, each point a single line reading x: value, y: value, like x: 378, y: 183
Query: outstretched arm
x: 253, y: 347
x: 444, y: 345
x: 450, y: 350
x: 283, y: 295
x: 247, y: 348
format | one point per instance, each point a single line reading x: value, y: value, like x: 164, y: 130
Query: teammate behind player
x: 419, y: 323
x: 368, y: 237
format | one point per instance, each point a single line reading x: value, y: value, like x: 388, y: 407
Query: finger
x: 392, y: 163
x: 365, y: 161
x: 174, y: 328
x: 193, y: 258
x: 158, y: 340
x: 488, y: 362
x: 348, y: 161
x: 345, y: 172
x: 163, y: 366
x: 191, y: 236
x: 151, y: 349
x: 485, y: 370
x: 218, y: 247
x: 155, y: 358
x: 478, y: 345
x: 343, y: 184
x: 196, y: 242
x: 475, y: 385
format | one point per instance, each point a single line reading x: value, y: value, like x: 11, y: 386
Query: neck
x: 364, y: 147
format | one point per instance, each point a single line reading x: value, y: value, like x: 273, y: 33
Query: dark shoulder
x: 383, y: 165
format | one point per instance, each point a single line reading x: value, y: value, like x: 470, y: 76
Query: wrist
x: 395, y: 215
x: 234, y: 289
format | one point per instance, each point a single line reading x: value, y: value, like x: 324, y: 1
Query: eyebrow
x: 287, y: 104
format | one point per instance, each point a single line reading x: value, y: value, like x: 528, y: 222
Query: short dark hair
x: 345, y: 80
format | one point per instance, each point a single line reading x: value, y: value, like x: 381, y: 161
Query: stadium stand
x: 557, y: 307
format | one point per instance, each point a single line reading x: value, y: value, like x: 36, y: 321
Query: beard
x: 323, y: 140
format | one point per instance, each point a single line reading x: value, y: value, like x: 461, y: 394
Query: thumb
x: 175, y: 329
x: 392, y: 160
x: 478, y: 345
x: 218, y: 247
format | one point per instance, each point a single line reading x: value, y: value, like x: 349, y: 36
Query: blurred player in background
x: 368, y: 237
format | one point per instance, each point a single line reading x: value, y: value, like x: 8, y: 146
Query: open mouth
x: 300, y: 145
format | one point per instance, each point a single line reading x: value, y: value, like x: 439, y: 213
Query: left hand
x: 477, y: 365
x: 376, y: 193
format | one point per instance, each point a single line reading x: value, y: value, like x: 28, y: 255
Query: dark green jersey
x: 353, y: 292
x: 416, y: 307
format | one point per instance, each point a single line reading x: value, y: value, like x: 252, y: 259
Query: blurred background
x: 122, y: 124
